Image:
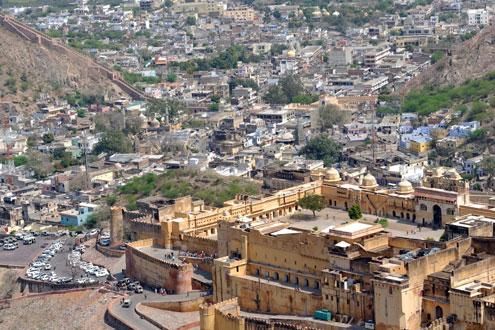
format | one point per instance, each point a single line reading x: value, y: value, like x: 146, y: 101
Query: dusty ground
x: 76, y: 310
x: 304, y: 219
x: 36, y: 70
x: 8, y: 285
x: 114, y: 265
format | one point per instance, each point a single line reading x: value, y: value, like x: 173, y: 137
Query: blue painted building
x: 77, y: 216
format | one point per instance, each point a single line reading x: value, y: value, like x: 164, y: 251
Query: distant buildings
x: 78, y: 216
x: 477, y: 17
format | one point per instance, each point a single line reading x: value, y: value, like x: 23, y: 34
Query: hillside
x: 208, y: 186
x: 469, y: 60
x: 74, y: 310
x: 27, y: 69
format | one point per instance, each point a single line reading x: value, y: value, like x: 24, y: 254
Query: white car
x: 38, y: 264
x: 9, y: 247
x: 101, y: 273
x: 92, y: 270
x: 93, y: 232
x: 47, y: 267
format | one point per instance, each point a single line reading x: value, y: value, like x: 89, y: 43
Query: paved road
x: 130, y: 316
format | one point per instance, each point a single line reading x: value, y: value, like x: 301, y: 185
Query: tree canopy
x: 315, y: 203
x: 330, y: 115
x: 113, y: 142
x: 322, y: 148
x: 355, y: 212
x: 289, y: 89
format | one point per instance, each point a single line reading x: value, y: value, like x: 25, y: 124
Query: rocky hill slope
x: 469, y: 60
x: 28, y: 69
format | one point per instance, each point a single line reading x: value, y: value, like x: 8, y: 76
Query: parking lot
x: 59, y: 263
x: 24, y: 254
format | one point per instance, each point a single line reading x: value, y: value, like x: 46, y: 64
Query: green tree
x: 213, y: 107
x: 39, y: 164
x: 355, y: 212
x: 48, y: 138
x: 330, y: 115
x: 322, y: 148
x: 113, y: 142
x: 191, y: 20
x: 171, y: 77
x: 20, y: 160
x: 98, y: 217
x: 81, y: 113
x: 291, y: 86
x: 165, y: 107
x: 111, y: 200
x: 275, y: 95
x: 436, y: 56
x: 315, y: 203
x: 478, y: 135
x: 383, y: 222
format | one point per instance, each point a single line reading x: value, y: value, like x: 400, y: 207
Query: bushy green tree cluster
x: 133, y: 78
x: 289, y: 89
x: 224, y: 60
x: 322, y: 148
x: 113, y: 142
x: 314, y: 203
x: 355, y: 212
x: 429, y: 100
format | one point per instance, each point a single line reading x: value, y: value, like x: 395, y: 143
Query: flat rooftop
x: 471, y: 221
x: 355, y: 229
x: 166, y: 255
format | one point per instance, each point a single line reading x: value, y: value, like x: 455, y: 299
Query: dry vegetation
x: 470, y: 60
x: 76, y: 310
x: 208, y: 186
x: 27, y: 70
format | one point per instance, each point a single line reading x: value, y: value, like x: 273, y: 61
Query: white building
x: 477, y: 17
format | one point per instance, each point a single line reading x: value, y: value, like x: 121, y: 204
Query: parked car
x: 104, y: 242
x: 9, y: 247
x: 127, y: 303
x: 138, y: 289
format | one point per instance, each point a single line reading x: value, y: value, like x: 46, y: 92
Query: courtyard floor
x: 304, y: 219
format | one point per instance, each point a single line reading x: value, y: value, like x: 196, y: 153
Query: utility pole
x: 373, y: 141
x: 86, y: 166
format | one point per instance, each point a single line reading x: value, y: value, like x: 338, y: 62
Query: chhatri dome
x: 405, y: 187
x: 369, y: 182
x: 332, y: 175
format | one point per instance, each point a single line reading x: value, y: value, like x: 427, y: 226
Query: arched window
x: 276, y: 276
x: 423, y: 207
x: 287, y: 278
